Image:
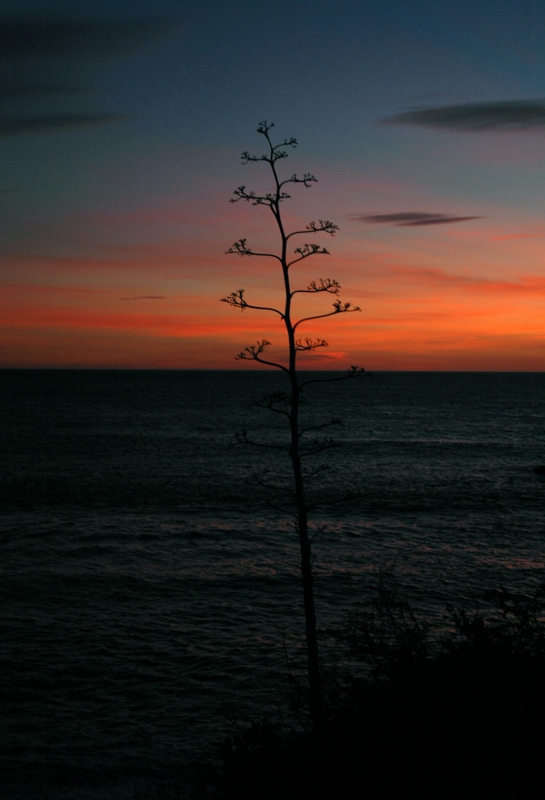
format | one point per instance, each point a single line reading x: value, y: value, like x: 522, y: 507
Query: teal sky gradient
x: 120, y: 149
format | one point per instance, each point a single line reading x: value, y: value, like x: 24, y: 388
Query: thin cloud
x: 18, y: 90
x: 411, y: 218
x: 32, y: 37
x: 145, y: 297
x: 506, y: 115
x: 509, y: 236
x: 11, y: 126
x: 38, y: 52
x: 435, y: 278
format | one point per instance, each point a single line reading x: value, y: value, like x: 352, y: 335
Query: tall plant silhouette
x: 302, y: 442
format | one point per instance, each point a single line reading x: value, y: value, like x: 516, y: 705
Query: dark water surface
x: 147, y: 588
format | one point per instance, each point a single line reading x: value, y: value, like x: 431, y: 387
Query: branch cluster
x: 307, y: 344
x: 323, y: 226
x: 254, y: 352
x: 323, y: 285
x: 237, y: 300
x: 272, y: 400
x: 344, y: 308
x: 240, y: 248
x: 241, y: 193
x: 243, y: 438
x: 308, y: 250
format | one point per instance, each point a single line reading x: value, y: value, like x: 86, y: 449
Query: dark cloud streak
x: 36, y: 90
x: 507, y: 115
x: 13, y: 126
x: 411, y: 218
x: 38, y: 52
x: 38, y: 37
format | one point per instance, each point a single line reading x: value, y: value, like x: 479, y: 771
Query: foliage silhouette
x: 303, y: 442
x: 448, y: 712
x: 441, y: 713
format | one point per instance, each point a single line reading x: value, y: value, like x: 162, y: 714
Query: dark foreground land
x: 425, y: 738
x: 413, y: 712
x: 456, y: 715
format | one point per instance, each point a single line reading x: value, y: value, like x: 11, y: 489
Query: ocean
x: 150, y: 593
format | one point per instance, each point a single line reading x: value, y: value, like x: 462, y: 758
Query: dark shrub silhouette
x: 460, y: 714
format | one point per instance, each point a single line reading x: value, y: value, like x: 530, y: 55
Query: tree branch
x: 324, y: 226
x: 257, y: 199
x: 289, y: 512
x: 242, y: 438
x: 339, y: 308
x: 334, y: 421
x: 353, y: 372
x: 309, y: 344
x: 308, y: 474
x: 306, y: 251
x: 275, y: 152
x: 270, y: 401
x: 253, y: 352
x: 237, y: 300
x: 325, y: 285
x: 260, y: 479
x: 240, y: 248
x: 306, y: 180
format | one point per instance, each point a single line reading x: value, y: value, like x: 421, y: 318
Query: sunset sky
x: 121, y: 130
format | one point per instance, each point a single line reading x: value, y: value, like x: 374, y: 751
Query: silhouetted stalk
x: 289, y: 406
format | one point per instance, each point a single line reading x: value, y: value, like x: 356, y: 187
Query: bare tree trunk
x: 315, y: 681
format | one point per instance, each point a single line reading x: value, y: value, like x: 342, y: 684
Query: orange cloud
x: 429, y: 277
x: 155, y: 306
x: 510, y: 236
